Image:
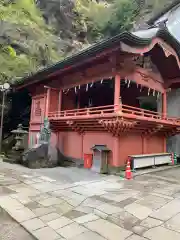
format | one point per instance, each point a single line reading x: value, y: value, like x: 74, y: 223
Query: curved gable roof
x: 139, y: 39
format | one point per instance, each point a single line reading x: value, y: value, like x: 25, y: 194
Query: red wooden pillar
x: 78, y: 103
x: 164, y: 104
x: 164, y: 144
x: 117, y: 90
x: 116, y: 156
x: 144, y: 144
x: 47, y: 102
x: 60, y: 100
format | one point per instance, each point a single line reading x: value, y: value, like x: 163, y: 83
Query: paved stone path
x: 103, y: 207
x: 11, y: 230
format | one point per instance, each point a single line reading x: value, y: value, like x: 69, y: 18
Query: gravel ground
x: 10, y: 230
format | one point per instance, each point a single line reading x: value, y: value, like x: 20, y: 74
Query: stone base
x: 42, y: 156
x: 13, y: 157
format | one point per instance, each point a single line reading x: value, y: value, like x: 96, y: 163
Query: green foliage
x: 123, y: 15
x: 104, y: 19
x: 26, y: 42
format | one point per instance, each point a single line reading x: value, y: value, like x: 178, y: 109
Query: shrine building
x: 113, y: 93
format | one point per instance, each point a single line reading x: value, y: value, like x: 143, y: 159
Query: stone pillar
x: 117, y: 94
x: 164, y: 104
x: 47, y: 102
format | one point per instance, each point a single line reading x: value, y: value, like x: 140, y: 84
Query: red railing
x: 123, y: 110
x: 83, y: 112
x: 134, y: 111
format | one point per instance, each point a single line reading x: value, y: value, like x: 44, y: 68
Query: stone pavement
x: 103, y: 207
x: 11, y: 230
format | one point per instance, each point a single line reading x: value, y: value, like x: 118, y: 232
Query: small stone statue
x: 45, y: 132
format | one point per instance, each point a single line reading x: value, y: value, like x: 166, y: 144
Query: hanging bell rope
x: 102, y: 81
x: 128, y: 83
x: 149, y: 91
x: 87, y: 86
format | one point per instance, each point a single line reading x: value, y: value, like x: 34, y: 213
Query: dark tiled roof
x: 100, y: 148
x: 126, y: 37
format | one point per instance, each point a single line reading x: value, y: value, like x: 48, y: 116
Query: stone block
x: 33, y: 224
x: 71, y: 230
x: 49, y: 217
x: 173, y: 223
x: 100, y: 214
x: 43, y: 211
x: 138, y: 210
x: 59, y: 222
x: 86, y: 218
x: 135, y: 237
x: 47, y: 179
x: 9, y: 203
x: 109, y: 209
x: 21, y: 215
x: 46, y: 233
x: 153, y: 202
x: 21, y: 197
x: 139, y: 230
x: 46, y: 187
x: 167, y: 211
x: 50, y: 201
x: 88, y: 235
x: 74, y: 214
x: 158, y: 233
x: 151, y: 222
x: 108, y: 230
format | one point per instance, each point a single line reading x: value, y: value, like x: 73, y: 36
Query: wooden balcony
x: 104, y: 112
x: 114, y: 119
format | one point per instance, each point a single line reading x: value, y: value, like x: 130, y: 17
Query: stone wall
x: 173, y: 110
x: 173, y: 143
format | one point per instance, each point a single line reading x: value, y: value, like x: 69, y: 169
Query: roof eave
x: 97, y: 49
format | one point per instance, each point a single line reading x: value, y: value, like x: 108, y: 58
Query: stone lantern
x: 14, y: 155
x: 19, y: 137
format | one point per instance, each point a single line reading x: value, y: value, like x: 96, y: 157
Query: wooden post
x: 117, y: 90
x: 164, y: 104
x: 116, y: 152
x: 164, y: 144
x: 144, y: 144
x: 47, y: 102
x: 60, y: 101
x: 78, y: 103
